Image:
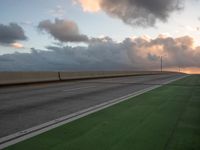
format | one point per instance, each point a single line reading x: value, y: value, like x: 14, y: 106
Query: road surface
x: 22, y: 107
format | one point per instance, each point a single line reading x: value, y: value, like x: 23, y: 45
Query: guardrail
x: 9, y: 78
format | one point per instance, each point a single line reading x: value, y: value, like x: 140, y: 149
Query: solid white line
x: 31, y: 132
x: 87, y: 87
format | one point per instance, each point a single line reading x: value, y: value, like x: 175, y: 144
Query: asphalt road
x: 22, y: 107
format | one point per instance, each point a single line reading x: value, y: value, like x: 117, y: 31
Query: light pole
x: 161, y: 63
x: 179, y: 68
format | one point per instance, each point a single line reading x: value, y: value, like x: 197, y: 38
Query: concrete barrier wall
x: 86, y: 75
x: 101, y: 74
x: 27, y: 77
x: 7, y: 78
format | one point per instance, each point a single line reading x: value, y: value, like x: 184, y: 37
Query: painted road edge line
x: 31, y: 132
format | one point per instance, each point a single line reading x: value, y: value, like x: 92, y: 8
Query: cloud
x: 27, y: 23
x: 135, y: 12
x: 105, y: 54
x: 11, y: 33
x: 63, y: 30
x: 90, y: 5
x: 176, y: 51
x: 57, y: 12
x: 17, y: 45
x: 190, y: 28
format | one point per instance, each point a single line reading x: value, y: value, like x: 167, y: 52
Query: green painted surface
x: 167, y: 118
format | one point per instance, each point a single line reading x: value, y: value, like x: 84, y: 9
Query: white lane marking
x: 87, y: 87
x: 31, y: 132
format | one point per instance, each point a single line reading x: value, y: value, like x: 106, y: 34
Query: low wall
x: 27, y: 77
x: 100, y: 74
x: 8, y: 78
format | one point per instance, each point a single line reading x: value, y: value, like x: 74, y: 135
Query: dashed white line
x: 70, y: 90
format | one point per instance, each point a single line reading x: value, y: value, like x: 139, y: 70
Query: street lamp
x: 179, y: 68
x: 161, y: 63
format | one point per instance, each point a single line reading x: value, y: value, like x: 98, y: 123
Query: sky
x: 79, y: 35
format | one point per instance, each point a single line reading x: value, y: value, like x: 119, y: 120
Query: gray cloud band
x: 105, y: 54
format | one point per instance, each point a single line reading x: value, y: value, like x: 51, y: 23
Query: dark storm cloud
x: 135, y: 12
x: 141, y: 12
x: 106, y: 54
x: 11, y: 33
x: 63, y: 30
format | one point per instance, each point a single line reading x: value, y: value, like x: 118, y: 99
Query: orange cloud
x: 191, y: 70
x: 187, y: 70
x: 90, y: 5
x: 17, y: 45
